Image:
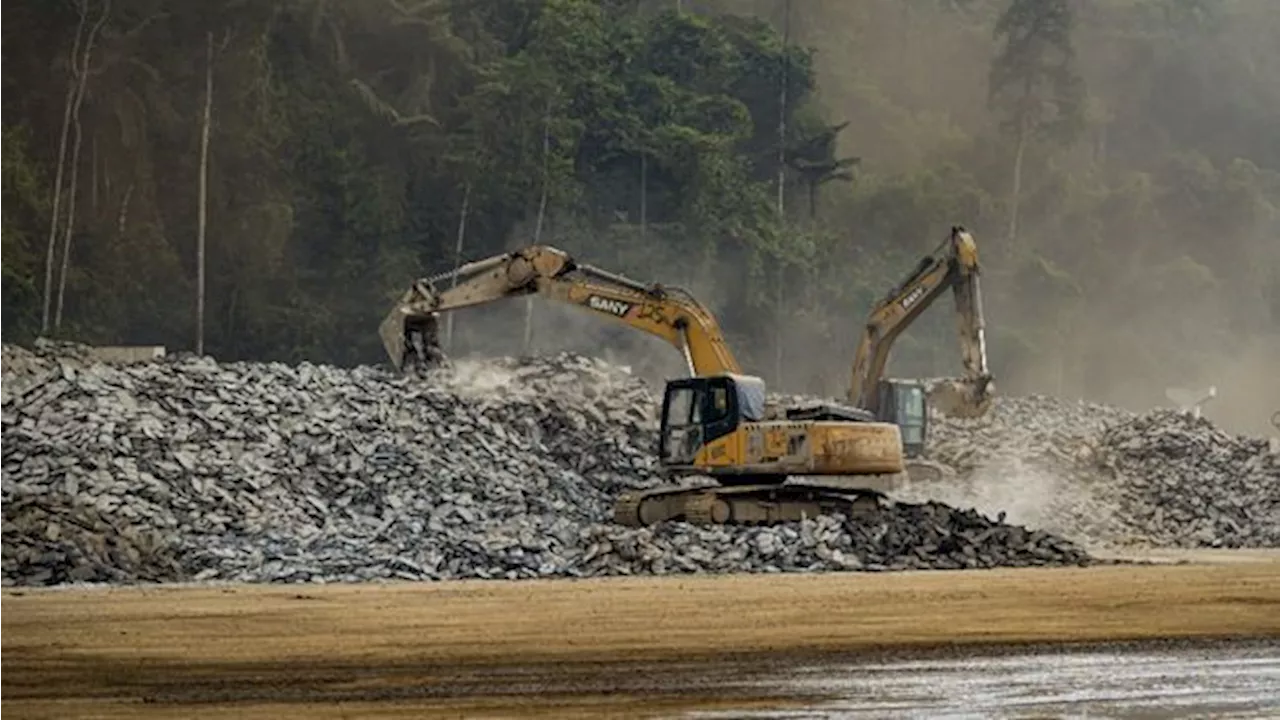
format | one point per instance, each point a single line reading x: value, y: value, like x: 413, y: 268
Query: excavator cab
x: 905, y: 404
x: 698, y: 411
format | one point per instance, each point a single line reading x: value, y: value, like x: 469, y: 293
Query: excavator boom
x: 953, y: 265
x: 409, y: 330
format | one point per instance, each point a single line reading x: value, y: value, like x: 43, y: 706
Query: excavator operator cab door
x: 904, y: 404
x: 695, y: 411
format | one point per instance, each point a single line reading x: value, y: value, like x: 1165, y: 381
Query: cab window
x: 718, y: 405
x: 912, y: 434
x: 680, y: 406
x: 911, y: 404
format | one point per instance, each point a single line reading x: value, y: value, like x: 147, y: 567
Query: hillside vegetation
x: 1118, y: 161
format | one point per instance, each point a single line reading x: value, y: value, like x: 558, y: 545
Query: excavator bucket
x: 412, y: 339
x: 391, y: 330
x: 962, y: 398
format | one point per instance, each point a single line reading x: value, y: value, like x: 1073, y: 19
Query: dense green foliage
x: 347, y: 137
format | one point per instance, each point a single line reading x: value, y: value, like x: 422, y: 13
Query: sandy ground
x: 591, y: 648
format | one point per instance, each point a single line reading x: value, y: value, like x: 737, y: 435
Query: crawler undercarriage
x: 760, y: 503
x: 767, y: 500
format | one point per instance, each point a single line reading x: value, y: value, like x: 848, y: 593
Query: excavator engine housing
x: 717, y: 427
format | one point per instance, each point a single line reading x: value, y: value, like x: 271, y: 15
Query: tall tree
x: 813, y: 156
x: 1033, y: 84
x: 780, y: 306
x: 82, y: 81
x: 72, y: 84
x: 203, y: 210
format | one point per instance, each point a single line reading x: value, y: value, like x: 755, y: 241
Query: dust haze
x: 1032, y: 495
x: 1189, y: 304
x: 1186, y: 297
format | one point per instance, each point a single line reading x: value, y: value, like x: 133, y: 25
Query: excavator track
x: 764, y: 504
x: 655, y: 505
x: 706, y: 509
x: 626, y: 509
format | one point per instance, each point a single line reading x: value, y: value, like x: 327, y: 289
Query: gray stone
x: 1104, y: 476
x: 186, y: 469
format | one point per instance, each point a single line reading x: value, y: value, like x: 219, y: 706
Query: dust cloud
x: 1030, y: 496
x: 1173, y: 281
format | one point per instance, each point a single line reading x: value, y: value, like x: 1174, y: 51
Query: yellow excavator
x: 715, y: 424
x: 954, y: 265
x: 410, y: 331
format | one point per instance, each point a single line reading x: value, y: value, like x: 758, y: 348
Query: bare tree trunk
x: 782, y: 110
x: 204, y: 191
x: 83, y: 81
x: 777, y: 326
x: 1024, y: 132
x: 232, y: 323
x: 70, y: 225
x: 1016, y: 193
x: 644, y: 195
x: 537, y: 228
x: 62, y: 158
x: 782, y: 214
x: 122, y: 219
x: 457, y: 260
x: 93, y: 179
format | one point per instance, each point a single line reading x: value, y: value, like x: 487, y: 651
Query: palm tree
x: 813, y: 158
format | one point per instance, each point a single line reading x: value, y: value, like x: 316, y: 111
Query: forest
x: 292, y: 166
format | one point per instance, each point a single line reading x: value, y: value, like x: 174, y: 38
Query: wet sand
x: 617, y: 646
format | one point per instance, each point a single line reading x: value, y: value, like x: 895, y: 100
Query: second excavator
x: 954, y: 265
x: 716, y: 424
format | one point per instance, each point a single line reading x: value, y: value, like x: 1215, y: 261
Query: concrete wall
x: 126, y: 353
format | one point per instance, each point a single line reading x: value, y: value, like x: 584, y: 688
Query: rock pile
x: 189, y: 469
x: 25, y: 369
x: 1033, y: 457
x: 1104, y: 476
x: 1185, y: 483
x: 1035, y: 429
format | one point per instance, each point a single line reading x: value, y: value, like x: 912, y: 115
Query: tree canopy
x: 348, y: 140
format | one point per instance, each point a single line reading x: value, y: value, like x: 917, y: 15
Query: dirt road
x: 626, y: 646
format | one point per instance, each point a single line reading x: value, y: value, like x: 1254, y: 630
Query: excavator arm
x: 953, y: 265
x: 409, y: 331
